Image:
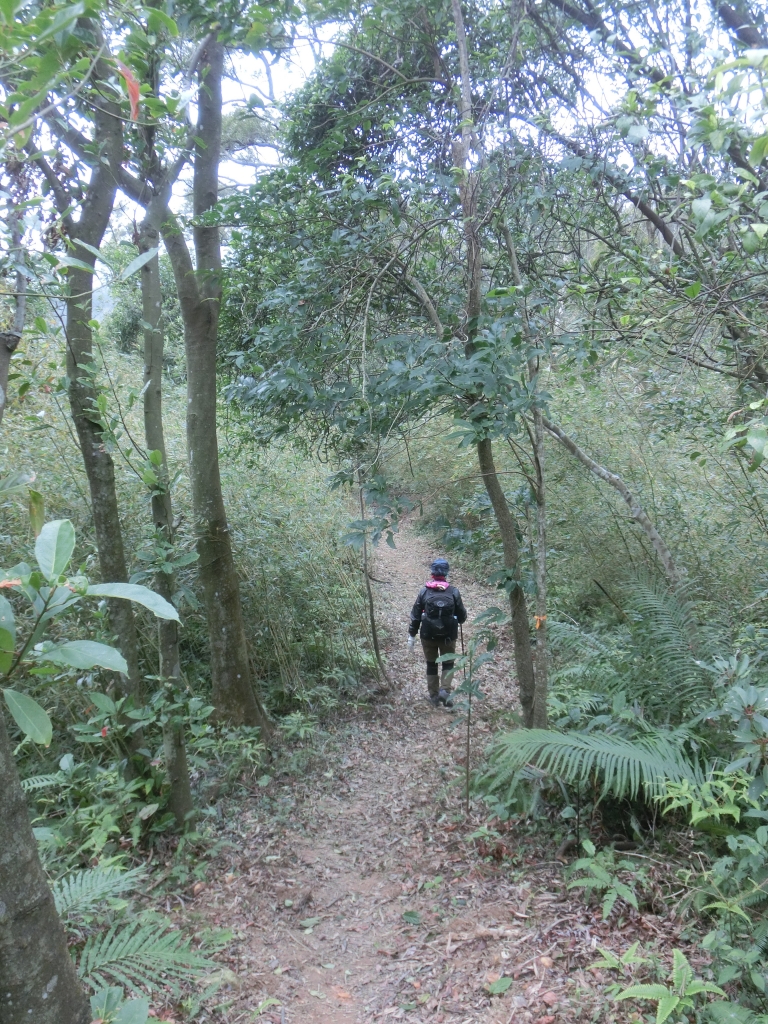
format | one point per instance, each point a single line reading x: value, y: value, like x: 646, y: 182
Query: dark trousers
x: 433, y: 648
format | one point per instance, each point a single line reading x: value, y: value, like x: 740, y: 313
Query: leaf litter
x: 362, y: 897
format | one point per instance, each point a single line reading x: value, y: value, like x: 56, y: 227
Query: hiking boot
x: 434, y: 700
x: 444, y: 697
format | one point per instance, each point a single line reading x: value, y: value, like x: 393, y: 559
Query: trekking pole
x: 469, y: 716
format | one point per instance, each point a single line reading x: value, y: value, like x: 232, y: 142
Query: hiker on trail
x: 438, y: 611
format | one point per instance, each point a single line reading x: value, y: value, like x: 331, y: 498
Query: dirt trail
x: 369, y: 902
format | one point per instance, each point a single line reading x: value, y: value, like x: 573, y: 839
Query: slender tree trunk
x: 99, y: 466
x: 9, y: 340
x: 674, y: 574
x: 95, y: 212
x: 38, y: 980
x: 468, y: 194
x: 199, y: 295
x: 541, y: 656
x: 174, y: 746
x: 540, y: 571
x: 385, y: 684
x: 517, y: 603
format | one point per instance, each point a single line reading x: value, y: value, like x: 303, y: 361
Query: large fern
x: 624, y: 766
x: 82, y: 891
x: 672, y: 637
x: 140, y: 954
x: 655, y: 656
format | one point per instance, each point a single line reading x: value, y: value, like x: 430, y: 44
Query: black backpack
x: 439, y: 617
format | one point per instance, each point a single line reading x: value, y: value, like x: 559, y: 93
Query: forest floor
x: 356, y: 890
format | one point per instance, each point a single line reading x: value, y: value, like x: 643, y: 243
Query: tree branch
x: 615, y: 481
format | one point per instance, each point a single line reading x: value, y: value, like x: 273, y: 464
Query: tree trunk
x: 199, y: 296
x: 638, y: 512
x: 541, y: 655
x: 468, y: 194
x: 9, y: 340
x: 385, y: 680
x: 38, y: 980
x: 175, y: 753
x: 540, y: 572
x: 95, y: 212
x: 517, y: 603
x: 99, y: 466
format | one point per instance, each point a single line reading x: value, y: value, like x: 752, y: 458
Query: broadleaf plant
x: 51, y: 593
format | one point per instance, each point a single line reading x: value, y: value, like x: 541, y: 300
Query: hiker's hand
x: 411, y: 642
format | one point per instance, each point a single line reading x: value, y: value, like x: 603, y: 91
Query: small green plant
x: 469, y: 664
x: 682, y: 992
x: 624, y: 964
x: 601, y: 876
x: 109, y: 1006
x: 298, y: 726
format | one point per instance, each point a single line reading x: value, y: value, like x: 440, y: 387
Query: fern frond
x: 626, y: 766
x: 731, y: 1013
x: 669, y: 634
x: 36, y: 782
x: 136, y: 955
x: 82, y: 891
x: 568, y: 638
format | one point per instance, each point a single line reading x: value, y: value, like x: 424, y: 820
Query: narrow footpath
x: 372, y: 899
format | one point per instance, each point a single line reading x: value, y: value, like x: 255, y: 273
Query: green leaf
x: 135, y: 1011
x: 681, y: 971
x: 137, y: 264
x: 76, y: 264
x: 7, y: 621
x: 693, y: 289
x: 665, y: 1007
x: 411, y: 917
x: 157, y: 19
x: 63, y: 19
x: 104, y: 703
x: 751, y: 243
x: 609, y: 902
x: 80, y: 244
x: 644, y: 992
x: 54, y: 547
x: 626, y: 894
x: 139, y: 595
x: 758, y: 150
x: 85, y: 654
x: 106, y: 1001
x: 29, y: 716
x: 701, y: 207
x: 698, y: 986
x: 498, y: 987
x: 36, y: 511
x: 609, y: 960
x: 15, y: 482
x: 309, y: 922
x: 6, y: 650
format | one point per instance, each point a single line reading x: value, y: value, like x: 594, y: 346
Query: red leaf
x: 104, y: 730
x: 132, y: 85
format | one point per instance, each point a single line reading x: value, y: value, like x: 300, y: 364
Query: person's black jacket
x: 418, y: 609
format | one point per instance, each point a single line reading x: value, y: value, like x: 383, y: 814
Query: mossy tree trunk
x: 95, y: 212
x: 174, y: 747
x: 199, y: 289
